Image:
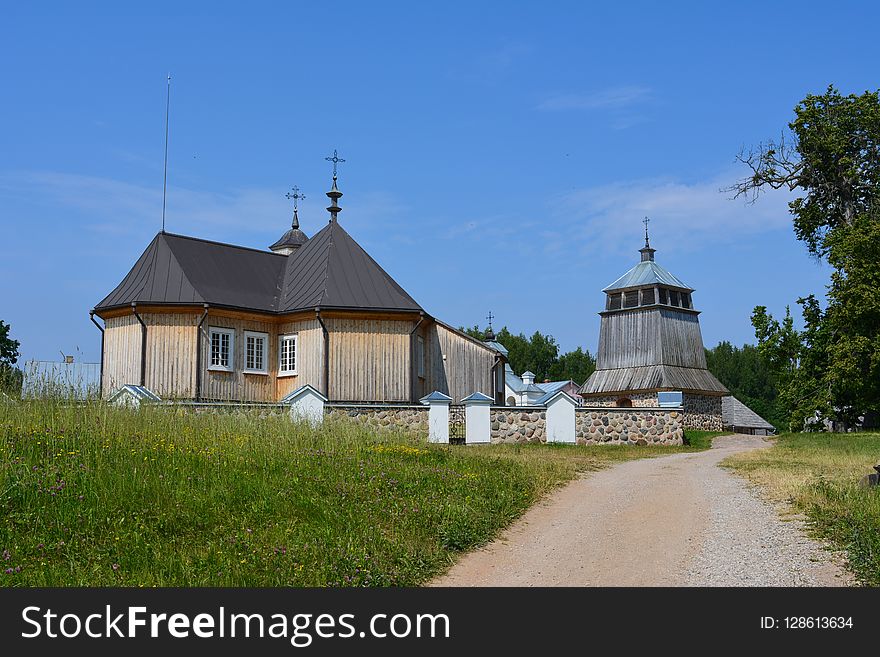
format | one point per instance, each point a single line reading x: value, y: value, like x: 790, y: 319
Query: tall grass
x: 819, y: 475
x: 94, y: 495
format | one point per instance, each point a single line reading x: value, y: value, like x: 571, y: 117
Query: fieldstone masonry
x: 409, y: 418
x: 518, y: 424
x: 628, y: 426
x: 702, y: 412
x: 638, y: 399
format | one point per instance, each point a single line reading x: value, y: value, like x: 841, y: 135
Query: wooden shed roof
x: 330, y: 270
x: 652, y: 377
x: 736, y: 414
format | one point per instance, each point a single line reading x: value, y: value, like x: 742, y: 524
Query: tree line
x: 830, y: 155
x: 540, y: 354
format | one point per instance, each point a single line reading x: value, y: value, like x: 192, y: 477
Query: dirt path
x: 677, y: 520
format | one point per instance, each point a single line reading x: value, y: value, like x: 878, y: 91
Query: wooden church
x: 650, y: 342
x: 201, y: 320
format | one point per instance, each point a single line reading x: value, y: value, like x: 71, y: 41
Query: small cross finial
x: 490, y: 317
x: 296, y: 196
x: 335, y: 160
x: 646, y: 221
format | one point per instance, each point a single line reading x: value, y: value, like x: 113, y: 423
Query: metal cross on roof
x: 296, y: 196
x: 645, y: 221
x: 335, y: 160
x: 490, y: 317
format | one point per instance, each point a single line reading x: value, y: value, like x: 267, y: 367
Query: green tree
x: 576, y: 365
x: 10, y: 376
x: 540, y: 355
x: 832, y: 158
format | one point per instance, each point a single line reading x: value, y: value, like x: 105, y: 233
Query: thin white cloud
x: 613, y: 98
x: 685, y: 216
x: 117, y: 207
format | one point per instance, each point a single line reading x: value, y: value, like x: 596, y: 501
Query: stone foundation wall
x: 702, y: 412
x: 628, y: 426
x: 518, y: 424
x: 413, y: 419
x: 639, y: 400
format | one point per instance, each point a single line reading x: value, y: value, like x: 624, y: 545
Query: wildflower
x: 115, y: 567
x: 6, y: 555
x: 9, y: 571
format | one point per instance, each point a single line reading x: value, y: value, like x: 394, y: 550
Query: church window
x: 685, y: 300
x: 631, y: 299
x: 664, y: 296
x: 420, y: 357
x: 648, y: 297
x: 255, y: 345
x: 614, y: 301
x: 673, y: 298
x: 222, y: 341
x: 287, y: 355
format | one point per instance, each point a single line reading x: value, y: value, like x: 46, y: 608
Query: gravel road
x: 677, y: 520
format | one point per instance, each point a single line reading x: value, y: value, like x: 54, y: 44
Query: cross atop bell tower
x: 646, y: 251
x: 334, y: 194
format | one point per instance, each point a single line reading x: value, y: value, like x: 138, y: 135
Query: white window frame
x: 220, y: 330
x: 281, y: 339
x: 256, y: 335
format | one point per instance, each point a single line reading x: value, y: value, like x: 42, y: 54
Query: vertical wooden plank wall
x: 171, y: 354
x: 369, y: 359
x: 466, y: 369
x: 638, y: 338
x: 309, y: 357
x: 122, y: 353
x: 236, y: 385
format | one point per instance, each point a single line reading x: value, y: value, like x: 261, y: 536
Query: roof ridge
x: 227, y: 244
x: 183, y: 269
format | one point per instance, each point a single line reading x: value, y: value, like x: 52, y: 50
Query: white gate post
x: 438, y: 416
x: 476, y: 418
x: 561, y: 418
x: 307, y: 404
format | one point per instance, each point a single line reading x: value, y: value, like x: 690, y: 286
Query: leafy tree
x: 540, y: 354
x: 832, y: 157
x: 576, y: 365
x: 10, y: 376
x: 745, y: 373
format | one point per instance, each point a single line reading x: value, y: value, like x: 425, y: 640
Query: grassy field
x: 98, y: 496
x: 819, y: 474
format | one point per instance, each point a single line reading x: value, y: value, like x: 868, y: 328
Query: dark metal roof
x: 331, y: 270
x: 292, y: 238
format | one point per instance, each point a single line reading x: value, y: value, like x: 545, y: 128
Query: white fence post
x: 438, y: 416
x: 307, y: 404
x: 561, y: 418
x: 476, y: 418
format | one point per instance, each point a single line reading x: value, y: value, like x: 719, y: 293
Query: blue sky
x: 499, y: 156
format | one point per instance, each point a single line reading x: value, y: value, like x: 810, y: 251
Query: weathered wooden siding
x: 122, y: 353
x: 656, y: 336
x: 171, y: 354
x: 237, y: 385
x: 466, y: 369
x: 369, y: 359
x: 309, y: 357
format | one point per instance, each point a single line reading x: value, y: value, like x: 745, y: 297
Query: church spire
x: 334, y: 194
x: 646, y: 251
x: 296, y: 196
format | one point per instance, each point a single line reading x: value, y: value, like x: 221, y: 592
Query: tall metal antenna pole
x: 165, y: 180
